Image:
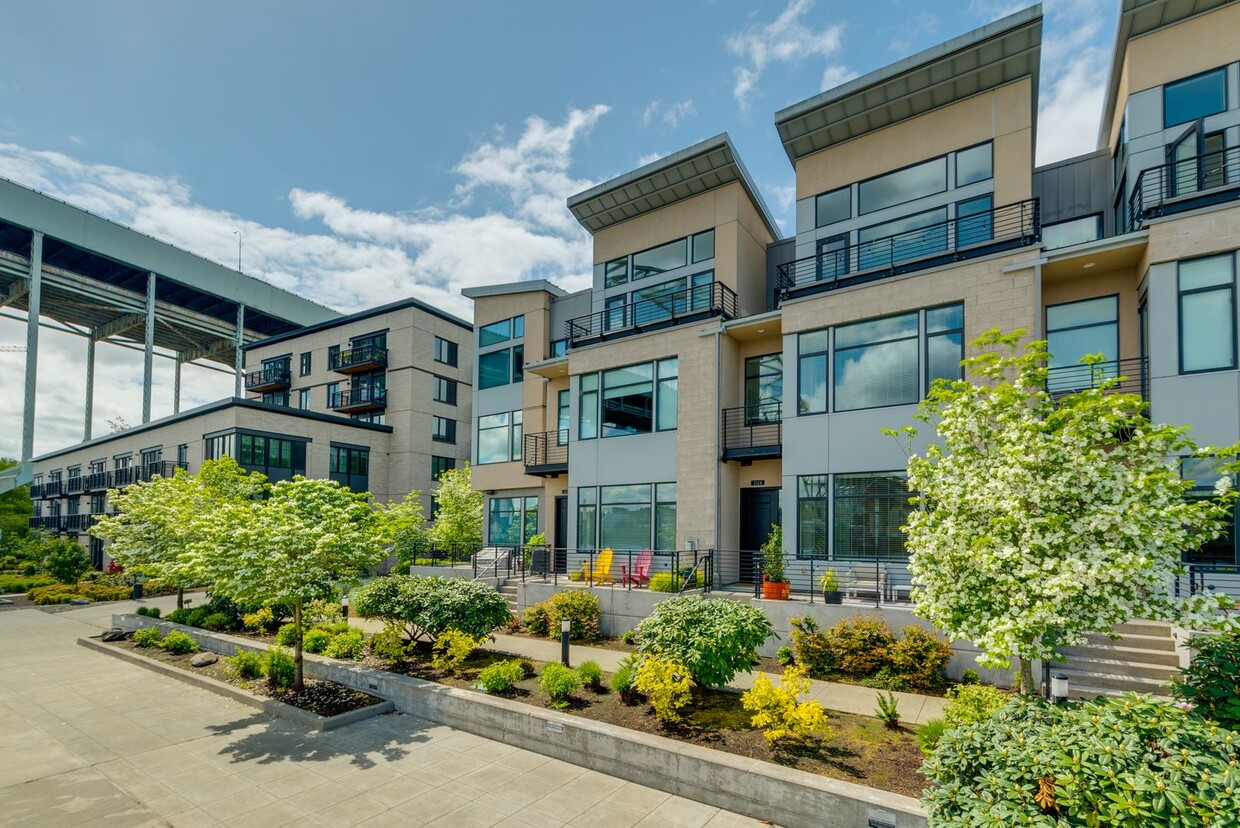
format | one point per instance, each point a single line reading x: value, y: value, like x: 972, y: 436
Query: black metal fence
x: 365, y: 356
x: 1202, y: 579
x: 753, y: 431
x: 275, y: 377
x: 545, y: 451
x: 876, y: 580
x: 1133, y: 376
x: 672, y: 308
x: 1209, y: 178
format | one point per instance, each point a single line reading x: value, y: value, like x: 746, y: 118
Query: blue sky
x: 372, y: 151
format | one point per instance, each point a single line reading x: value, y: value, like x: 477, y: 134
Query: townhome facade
x: 691, y: 400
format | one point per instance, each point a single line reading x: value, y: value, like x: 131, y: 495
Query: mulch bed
x: 326, y: 698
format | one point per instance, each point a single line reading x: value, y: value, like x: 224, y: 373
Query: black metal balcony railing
x: 268, y: 379
x: 545, y: 453
x: 359, y: 399
x: 75, y: 485
x: 77, y: 523
x: 53, y: 489
x: 47, y: 523
x: 36, y: 491
x: 145, y: 471
x: 674, y: 308
x: 363, y: 358
x: 1185, y: 185
x: 98, y: 481
x: 753, y: 432
x: 1132, y: 375
x: 965, y: 237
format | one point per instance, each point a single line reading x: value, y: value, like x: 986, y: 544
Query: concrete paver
x: 89, y: 740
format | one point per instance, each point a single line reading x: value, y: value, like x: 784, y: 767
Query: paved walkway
x: 88, y: 740
x: 844, y: 698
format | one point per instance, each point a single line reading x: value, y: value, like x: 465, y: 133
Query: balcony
x: 98, y: 481
x: 753, y: 432
x: 955, y: 240
x: 47, y: 523
x: 1184, y: 185
x: 144, y: 471
x: 359, y: 400
x: 1132, y: 375
x: 53, y: 489
x: 546, y: 454
x: 77, y: 523
x: 36, y: 491
x: 75, y: 485
x: 358, y: 360
x: 268, y: 379
x: 675, y: 308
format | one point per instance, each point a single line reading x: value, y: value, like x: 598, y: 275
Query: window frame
x: 915, y: 337
x: 862, y: 211
x: 305, y: 365
x: 1179, y: 310
x: 443, y: 429
x: 447, y: 352
x: 1219, y: 70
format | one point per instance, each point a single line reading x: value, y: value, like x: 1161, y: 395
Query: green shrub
x: 148, y: 637
x: 668, y: 685
x: 178, y: 643
x: 809, y: 645
x: 537, y: 619
x: 928, y: 735
x: 629, y: 637
x: 715, y: 638
x: 347, y: 645
x: 52, y: 594
x: 591, y: 675
x: 197, y: 616
x: 143, y: 611
x: 451, y: 649
x: 279, y: 667
x: 424, y: 607
x: 316, y: 640
x: 286, y: 635
x: 665, y: 582
x: 970, y: 677
x: 19, y: 583
x: 261, y: 620
x: 622, y: 681
x: 1119, y: 762
x: 919, y: 658
x: 216, y: 621
x: 180, y: 616
x: 389, y: 644
x: 583, y: 611
x: 973, y: 703
x: 1212, y: 681
x: 246, y: 665
x: 152, y: 612
x: 66, y: 560
x: 778, y: 711
x: 501, y: 676
x: 886, y: 679
x: 559, y: 682
x: 785, y: 656
x: 888, y: 710
x: 321, y: 611
x: 859, y: 645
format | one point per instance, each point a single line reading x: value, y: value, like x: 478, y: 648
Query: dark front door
x: 759, y: 512
x: 560, y: 542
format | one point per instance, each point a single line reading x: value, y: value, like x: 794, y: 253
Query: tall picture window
x: 876, y: 363
x: 869, y: 511
x: 1207, y: 314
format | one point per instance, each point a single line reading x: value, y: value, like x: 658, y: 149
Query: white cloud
x: 506, y: 221
x: 784, y: 40
x: 835, y: 75
x: 1075, y: 64
x: 926, y: 25
x: 649, y: 158
x: 670, y: 115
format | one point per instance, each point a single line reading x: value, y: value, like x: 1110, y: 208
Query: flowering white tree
x: 1041, y: 519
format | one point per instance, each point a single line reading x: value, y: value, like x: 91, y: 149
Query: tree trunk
x: 1026, y: 677
x: 299, y: 681
x: 180, y: 598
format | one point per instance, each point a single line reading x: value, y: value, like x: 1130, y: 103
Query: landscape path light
x: 566, y: 626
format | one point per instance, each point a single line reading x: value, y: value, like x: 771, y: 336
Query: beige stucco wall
x: 1003, y: 115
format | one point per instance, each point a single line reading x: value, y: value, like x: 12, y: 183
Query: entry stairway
x: 509, y: 591
x: 1142, y: 661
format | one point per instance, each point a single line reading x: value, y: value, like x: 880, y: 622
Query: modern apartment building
x: 716, y: 378
x: 378, y: 401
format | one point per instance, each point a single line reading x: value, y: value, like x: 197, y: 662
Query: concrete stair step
x: 1111, y: 683
x: 1123, y: 667
x: 1135, y: 655
x: 1137, y: 627
x: 1086, y: 692
x: 1134, y: 642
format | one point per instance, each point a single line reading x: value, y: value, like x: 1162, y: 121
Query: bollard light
x: 344, y: 604
x: 1059, y: 688
x: 566, y: 626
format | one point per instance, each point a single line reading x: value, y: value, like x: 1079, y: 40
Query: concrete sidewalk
x: 89, y: 740
x: 844, y: 698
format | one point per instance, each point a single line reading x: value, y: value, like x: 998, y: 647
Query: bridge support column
x: 32, y: 344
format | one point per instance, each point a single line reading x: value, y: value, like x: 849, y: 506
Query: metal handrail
x: 1010, y: 225
x: 751, y: 427
x: 703, y: 301
x: 547, y: 448
x: 268, y: 376
x: 1210, y: 177
x: 359, y: 396
x: 361, y: 355
x: 1132, y: 376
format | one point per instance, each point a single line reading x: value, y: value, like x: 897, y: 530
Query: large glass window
x: 665, y: 517
x: 499, y: 438
x: 918, y: 181
x: 876, y: 363
x: 616, y: 315
x: 832, y: 207
x: 445, y: 351
x: 439, y: 465
x: 668, y: 393
x: 812, y: 493
x: 1072, y: 231
x: 660, y: 259
x: 587, y: 407
x: 704, y: 246
x: 910, y: 237
x: 660, y: 301
x: 562, y: 417
x: 275, y: 457
x: 1076, y: 329
x: 350, y: 466
x: 616, y: 272
x: 587, y: 517
x: 628, y: 400
x: 443, y: 430
x: 764, y: 388
x: 1207, y: 295
x: 1196, y: 97
x: 512, y: 521
x: 1221, y: 551
x: 445, y: 390
x: 869, y: 511
x: 501, y: 331
x: 625, y: 517
x: 501, y: 367
x: 832, y: 261
x: 975, y: 221
x: 974, y: 164
x: 944, y: 343
x: 812, y: 372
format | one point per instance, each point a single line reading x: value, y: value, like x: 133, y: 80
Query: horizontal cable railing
x: 355, y: 397
x: 714, y: 299
x: 1008, y: 226
x: 1184, y: 184
x: 1206, y: 578
x: 365, y: 355
x: 1132, y: 377
x: 869, y: 579
x: 268, y: 378
x: 753, y: 429
x: 548, y: 448
x: 672, y: 571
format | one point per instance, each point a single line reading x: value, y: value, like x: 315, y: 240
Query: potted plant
x: 830, y: 583
x: 774, y: 584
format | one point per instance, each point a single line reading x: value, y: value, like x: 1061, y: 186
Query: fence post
x: 811, y: 579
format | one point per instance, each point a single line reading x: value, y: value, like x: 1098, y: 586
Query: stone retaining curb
x: 785, y: 796
x: 270, y: 706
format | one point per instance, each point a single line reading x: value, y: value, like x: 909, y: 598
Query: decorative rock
x: 80, y: 601
x: 114, y: 634
x: 203, y: 659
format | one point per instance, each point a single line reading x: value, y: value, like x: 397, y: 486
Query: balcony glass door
x: 1076, y: 329
x: 764, y: 388
x: 369, y: 387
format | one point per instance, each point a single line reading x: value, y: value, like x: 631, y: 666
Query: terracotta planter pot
x: 776, y: 591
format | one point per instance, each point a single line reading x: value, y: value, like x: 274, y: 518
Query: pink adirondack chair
x: 640, y: 576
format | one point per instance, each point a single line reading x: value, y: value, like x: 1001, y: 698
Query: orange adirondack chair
x: 602, y: 569
x: 640, y: 576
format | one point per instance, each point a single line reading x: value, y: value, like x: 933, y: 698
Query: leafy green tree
x: 408, y: 527
x: 1043, y: 518
x: 459, y: 519
x: 15, y: 509
x: 290, y: 545
x: 158, y: 525
x: 66, y: 560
